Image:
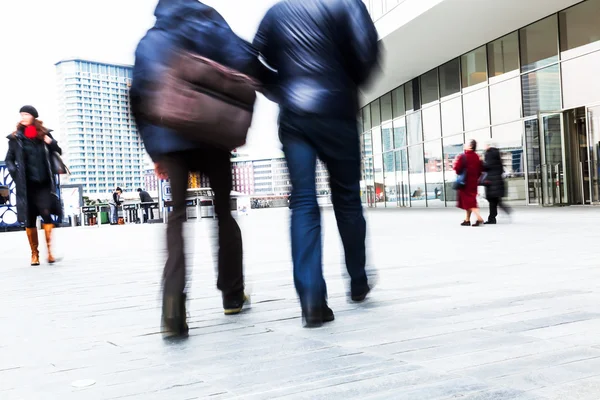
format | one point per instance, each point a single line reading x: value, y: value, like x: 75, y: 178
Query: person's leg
x: 504, y: 207
x: 32, y: 232
x: 493, y: 209
x: 478, y: 216
x: 216, y: 164
x: 301, y: 159
x: 342, y: 157
x: 174, y: 275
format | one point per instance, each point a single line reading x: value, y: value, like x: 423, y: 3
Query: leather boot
x: 32, y: 235
x: 48, y: 230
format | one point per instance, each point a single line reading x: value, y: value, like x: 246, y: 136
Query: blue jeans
x: 336, y: 143
x: 114, y: 214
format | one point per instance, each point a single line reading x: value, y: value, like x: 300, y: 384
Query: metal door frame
x: 590, y: 146
x: 552, y: 169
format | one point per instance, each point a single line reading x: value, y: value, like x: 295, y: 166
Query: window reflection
x: 452, y: 117
x: 369, y: 178
x: 503, y: 55
x: 379, y: 182
x: 453, y: 147
x: 434, y: 168
x: 417, y: 176
x: 399, y: 133
x: 386, y: 107
x: 474, y: 67
x: 508, y: 138
x: 429, y: 87
x: 376, y: 140
x: 387, y: 137
x: 450, y: 78
x: 539, y: 44
x: 398, y: 107
x: 579, y: 25
x: 532, y: 139
x: 375, y: 113
x: 366, y: 117
x: 389, y: 176
x: 541, y: 91
x: 403, y: 190
x: 368, y: 144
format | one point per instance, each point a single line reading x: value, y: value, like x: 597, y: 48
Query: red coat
x: 467, y: 196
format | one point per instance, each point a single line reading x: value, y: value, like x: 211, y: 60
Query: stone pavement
x: 502, y: 312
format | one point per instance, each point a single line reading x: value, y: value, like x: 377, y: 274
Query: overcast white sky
x: 35, y: 34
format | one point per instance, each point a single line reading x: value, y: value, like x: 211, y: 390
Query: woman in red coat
x: 467, y: 195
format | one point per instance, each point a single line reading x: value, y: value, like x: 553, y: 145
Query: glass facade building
x: 534, y: 93
x: 99, y: 138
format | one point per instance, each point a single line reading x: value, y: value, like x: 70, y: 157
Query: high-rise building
x: 520, y: 76
x: 99, y: 137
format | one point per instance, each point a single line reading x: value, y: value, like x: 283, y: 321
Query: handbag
x: 58, y: 166
x: 461, y: 179
x: 202, y: 101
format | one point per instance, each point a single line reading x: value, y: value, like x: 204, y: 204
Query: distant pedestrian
x: 146, y: 201
x: 495, y: 187
x: 324, y: 51
x: 29, y: 163
x: 469, y: 163
x: 114, y: 204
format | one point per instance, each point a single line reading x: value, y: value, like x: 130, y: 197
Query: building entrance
x: 563, y: 150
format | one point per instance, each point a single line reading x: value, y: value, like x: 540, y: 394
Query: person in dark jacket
x: 470, y: 162
x: 323, y: 52
x: 146, y: 199
x: 29, y: 163
x: 495, y: 187
x: 192, y: 26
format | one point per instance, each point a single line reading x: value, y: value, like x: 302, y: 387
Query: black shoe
x: 490, y: 222
x: 466, y: 223
x: 478, y: 223
x: 316, y: 317
x: 235, y: 304
x: 360, y: 296
x: 174, y: 316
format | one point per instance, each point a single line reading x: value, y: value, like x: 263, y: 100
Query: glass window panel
x: 432, y: 128
x: 368, y: 144
x: 369, y: 178
x: 476, y: 109
x: 450, y: 78
x: 389, y: 177
x: 379, y: 183
x: 481, y: 136
x: 580, y: 86
x: 412, y: 95
x: 366, y: 117
x: 429, y: 87
x: 377, y: 143
x: 402, y: 178
x: 539, y: 44
x: 505, y: 101
x: 399, y: 133
x: 387, y: 137
x: 386, y: 107
x: 579, y: 25
x: 416, y: 176
x: 414, y: 128
x: 503, y: 55
x: 508, y: 138
x: 474, y: 67
x: 453, y: 147
x: 375, y: 113
x: 541, y: 91
x: 398, y: 102
x: 452, y: 117
x: 434, y: 169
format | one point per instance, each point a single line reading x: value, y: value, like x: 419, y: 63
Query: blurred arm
x: 364, y: 41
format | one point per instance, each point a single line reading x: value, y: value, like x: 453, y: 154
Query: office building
x: 98, y: 134
x: 520, y: 75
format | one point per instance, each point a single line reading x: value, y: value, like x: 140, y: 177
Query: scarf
x: 30, y: 132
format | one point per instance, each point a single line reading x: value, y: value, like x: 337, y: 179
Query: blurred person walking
x: 471, y: 166
x: 29, y: 162
x: 196, y: 28
x: 323, y: 52
x: 495, y: 187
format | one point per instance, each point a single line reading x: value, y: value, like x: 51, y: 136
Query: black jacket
x: 15, y: 162
x: 145, y: 197
x: 495, y: 187
x: 323, y: 51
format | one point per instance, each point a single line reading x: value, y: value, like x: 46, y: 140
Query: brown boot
x: 48, y: 229
x: 32, y: 235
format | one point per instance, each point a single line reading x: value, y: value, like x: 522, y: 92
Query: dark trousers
x: 39, y: 203
x: 148, y: 212
x: 496, y: 202
x: 336, y: 143
x: 216, y: 165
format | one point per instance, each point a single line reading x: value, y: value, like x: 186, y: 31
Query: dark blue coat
x: 323, y: 51
x: 188, y: 25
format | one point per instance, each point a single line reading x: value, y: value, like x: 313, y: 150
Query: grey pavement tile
x: 503, y: 394
x: 584, y: 389
x: 542, y: 323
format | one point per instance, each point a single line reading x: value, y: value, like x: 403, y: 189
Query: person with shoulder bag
x: 191, y: 50
x: 33, y: 161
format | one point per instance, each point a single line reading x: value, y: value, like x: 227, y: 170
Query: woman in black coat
x: 29, y: 163
x: 495, y: 188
